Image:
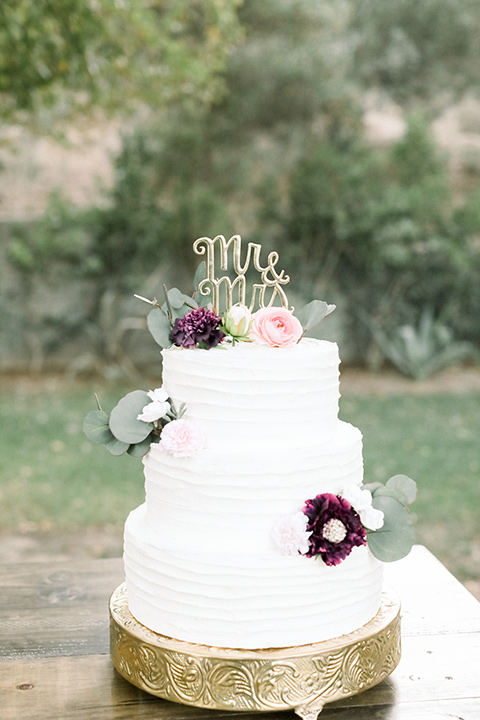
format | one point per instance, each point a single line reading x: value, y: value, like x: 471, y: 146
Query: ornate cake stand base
x: 303, y: 678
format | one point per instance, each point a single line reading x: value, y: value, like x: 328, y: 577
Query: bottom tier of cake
x: 245, y: 601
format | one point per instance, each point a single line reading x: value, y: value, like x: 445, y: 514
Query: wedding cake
x: 257, y: 530
x: 201, y: 559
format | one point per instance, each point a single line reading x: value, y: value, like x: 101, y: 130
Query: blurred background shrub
x: 248, y: 118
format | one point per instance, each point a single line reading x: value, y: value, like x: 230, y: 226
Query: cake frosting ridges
x: 245, y: 600
x: 201, y: 563
x: 248, y: 394
x: 231, y: 500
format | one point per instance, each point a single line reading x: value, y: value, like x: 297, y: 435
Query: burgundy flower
x: 335, y: 526
x: 197, y: 327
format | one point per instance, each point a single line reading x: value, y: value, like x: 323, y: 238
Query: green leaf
x: 394, y: 540
x: 159, y: 327
x: 141, y: 448
x: 313, y: 313
x: 405, y: 485
x: 392, y: 492
x: 200, y: 274
x: 96, y: 427
x: 177, y: 305
x: 117, y: 447
x: 373, y: 486
x: 177, y: 299
x: 123, y: 419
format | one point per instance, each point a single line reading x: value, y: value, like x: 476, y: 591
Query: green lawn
x: 435, y: 439
x: 50, y: 474
x: 52, y: 477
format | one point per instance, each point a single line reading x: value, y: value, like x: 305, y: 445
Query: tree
x: 74, y: 56
x: 419, y: 53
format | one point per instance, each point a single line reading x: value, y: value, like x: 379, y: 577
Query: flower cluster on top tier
x: 273, y: 326
x: 190, y: 321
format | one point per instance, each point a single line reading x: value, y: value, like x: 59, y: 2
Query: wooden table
x: 55, y: 663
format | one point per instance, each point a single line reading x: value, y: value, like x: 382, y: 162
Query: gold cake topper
x: 212, y: 285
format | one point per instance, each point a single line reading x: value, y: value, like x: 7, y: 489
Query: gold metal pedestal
x: 303, y: 678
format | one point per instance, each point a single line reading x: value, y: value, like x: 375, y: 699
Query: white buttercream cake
x: 201, y: 563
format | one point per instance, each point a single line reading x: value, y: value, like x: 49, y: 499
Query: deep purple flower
x: 199, y: 326
x: 336, y: 528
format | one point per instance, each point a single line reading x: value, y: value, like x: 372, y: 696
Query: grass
x: 53, y: 478
x: 435, y: 440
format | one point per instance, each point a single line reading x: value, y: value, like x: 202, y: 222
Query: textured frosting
x: 230, y: 500
x: 250, y: 600
x: 200, y: 561
x: 249, y: 395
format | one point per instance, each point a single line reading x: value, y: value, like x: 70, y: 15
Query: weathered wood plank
x: 439, y: 672
x: 54, y: 609
x: 463, y: 709
x: 433, y: 600
x: 43, y: 585
x: 54, y: 645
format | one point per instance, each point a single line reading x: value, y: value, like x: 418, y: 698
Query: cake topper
x: 211, y: 285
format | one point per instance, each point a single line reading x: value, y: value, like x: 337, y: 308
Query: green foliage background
x: 256, y: 127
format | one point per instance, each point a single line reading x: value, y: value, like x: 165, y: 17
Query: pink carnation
x: 275, y: 326
x: 290, y: 534
x: 181, y: 438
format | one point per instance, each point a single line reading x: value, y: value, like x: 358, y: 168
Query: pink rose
x: 275, y: 326
x: 181, y: 438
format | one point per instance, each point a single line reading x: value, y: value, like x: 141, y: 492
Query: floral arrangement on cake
x: 329, y: 526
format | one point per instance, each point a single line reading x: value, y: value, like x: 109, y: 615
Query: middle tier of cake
x: 232, y: 500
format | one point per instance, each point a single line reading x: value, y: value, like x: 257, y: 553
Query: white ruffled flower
x: 157, y: 408
x: 290, y: 534
x: 361, y: 501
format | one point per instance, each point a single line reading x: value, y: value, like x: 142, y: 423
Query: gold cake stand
x: 302, y: 678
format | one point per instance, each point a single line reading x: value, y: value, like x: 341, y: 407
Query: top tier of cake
x: 250, y: 395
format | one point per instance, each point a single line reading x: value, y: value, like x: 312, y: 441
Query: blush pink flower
x: 290, y: 534
x: 275, y: 326
x: 181, y: 438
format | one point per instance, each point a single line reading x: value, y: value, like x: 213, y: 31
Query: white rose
x: 237, y: 321
x: 361, y: 501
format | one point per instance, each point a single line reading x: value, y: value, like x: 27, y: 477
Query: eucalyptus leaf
x: 123, y: 419
x: 373, y: 486
x: 96, y: 427
x: 395, y: 539
x: 200, y: 274
x: 159, y: 327
x: 141, y: 448
x: 393, y: 492
x: 406, y: 485
x: 177, y: 299
x: 313, y: 313
x: 117, y: 447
